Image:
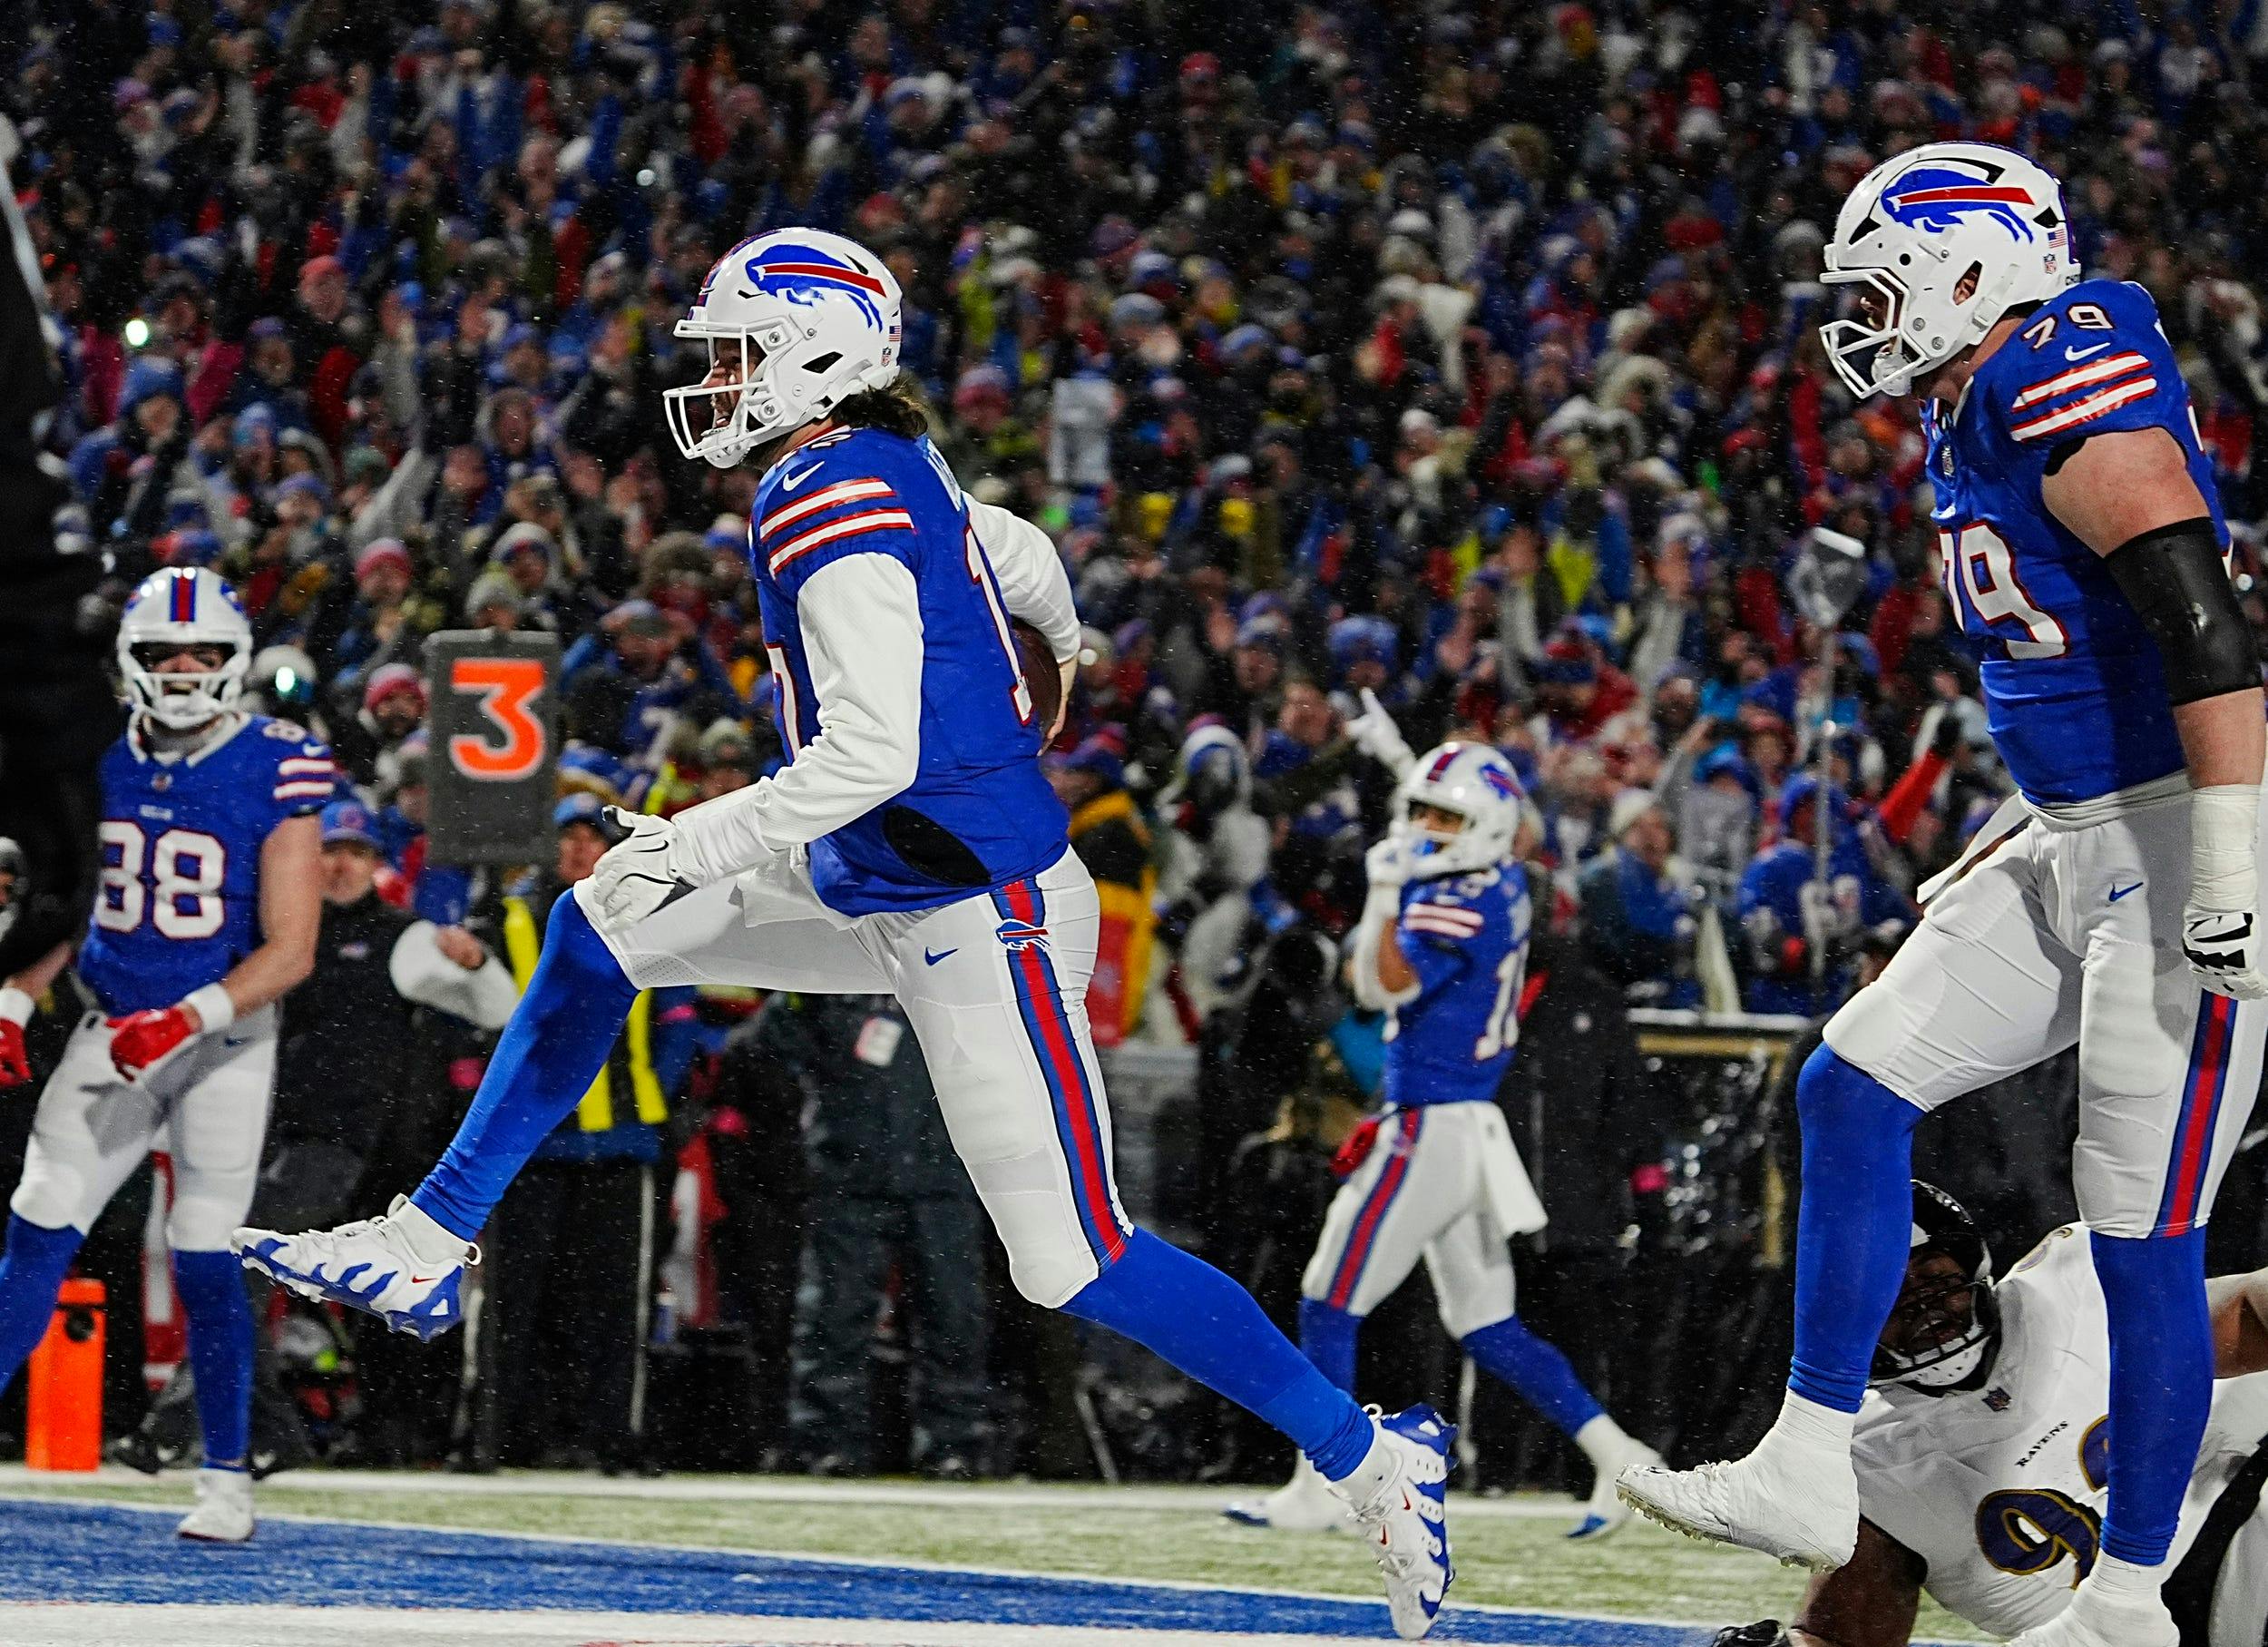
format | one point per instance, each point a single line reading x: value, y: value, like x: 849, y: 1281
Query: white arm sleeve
x: 862, y: 631
x: 1033, y: 582
x: 1381, y: 910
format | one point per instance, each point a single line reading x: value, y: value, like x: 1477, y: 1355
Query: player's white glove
x: 2221, y: 935
x: 638, y: 874
x: 1376, y: 735
x: 1388, y: 863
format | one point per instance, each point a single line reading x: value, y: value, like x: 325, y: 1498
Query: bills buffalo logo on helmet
x: 1937, y: 196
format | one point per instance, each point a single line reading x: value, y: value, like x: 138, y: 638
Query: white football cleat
x: 1605, y: 1514
x: 403, y: 1268
x: 1801, y: 1507
x: 2095, y: 1620
x: 223, y: 1515
x: 1305, y: 1503
x: 1405, y: 1521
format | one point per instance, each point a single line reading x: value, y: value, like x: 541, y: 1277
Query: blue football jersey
x: 979, y: 813
x: 2074, y: 689
x: 178, y: 903
x: 1466, y: 937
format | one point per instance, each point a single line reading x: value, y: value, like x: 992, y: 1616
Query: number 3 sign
x: 495, y: 745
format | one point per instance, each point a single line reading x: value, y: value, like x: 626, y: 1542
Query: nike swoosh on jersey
x: 788, y: 484
x: 934, y: 956
x: 2118, y: 892
x: 2081, y: 354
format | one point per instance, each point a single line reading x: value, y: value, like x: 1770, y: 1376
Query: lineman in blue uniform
x: 2113, y: 904
x: 206, y: 914
x: 911, y: 845
x: 1442, y: 948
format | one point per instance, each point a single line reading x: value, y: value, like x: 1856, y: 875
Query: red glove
x: 16, y: 1063
x: 142, y: 1042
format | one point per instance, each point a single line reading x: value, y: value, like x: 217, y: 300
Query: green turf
x: 1643, y: 1573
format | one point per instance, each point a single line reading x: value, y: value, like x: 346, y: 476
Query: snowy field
x: 355, y: 1560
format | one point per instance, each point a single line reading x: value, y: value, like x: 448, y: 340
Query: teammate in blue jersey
x: 206, y: 915
x: 909, y: 845
x: 1442, y: 948
x: 2114, y: 904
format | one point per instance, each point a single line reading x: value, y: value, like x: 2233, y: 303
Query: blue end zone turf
x: 100, y: 1552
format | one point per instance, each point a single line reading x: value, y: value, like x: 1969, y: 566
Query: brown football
x: 1040, y: 672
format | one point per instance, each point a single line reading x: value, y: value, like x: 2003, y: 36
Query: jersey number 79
x: 1979, y: 576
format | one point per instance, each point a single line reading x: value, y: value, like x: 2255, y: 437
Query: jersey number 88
x: 187, y: 869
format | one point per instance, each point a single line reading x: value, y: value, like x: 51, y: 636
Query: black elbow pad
x: 2174, y: 578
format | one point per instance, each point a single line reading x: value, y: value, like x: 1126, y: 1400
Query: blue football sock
x: 554, y: 1046
x: 30, y: 1273
x: 1511, y: 1354
x: 212, y: 1289
x: 1326, y: 1338
x: 1854, y: 1228
x: 1187, y: 1313
x: 2161, y: 1384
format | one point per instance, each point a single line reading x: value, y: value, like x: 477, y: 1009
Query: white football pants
x: 1443, y: 1183
x: 2058, y: 935
x: 207, y: 1108
x: 995, y: 988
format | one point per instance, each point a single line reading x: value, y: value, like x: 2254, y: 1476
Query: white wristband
x: 716, y: 838
x: 213, y: 1008
x: 2223, y: 846
x: 16, y: 1007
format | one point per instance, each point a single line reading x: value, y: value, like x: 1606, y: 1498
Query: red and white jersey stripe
x: 2094, y: 371
x: 1445, y: 920
x: 845, y: 526
x: 825, y: 498
x: 2108, y: 398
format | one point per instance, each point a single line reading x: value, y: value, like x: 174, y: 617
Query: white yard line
x: 202, y: 1626
x: 128, y: 1625
x: 784, y: 1489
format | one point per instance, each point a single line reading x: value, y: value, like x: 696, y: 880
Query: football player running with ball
x: 206, y: 915
x: 2114, y: 904
x: 911, y: 845
x: 1442, y: 948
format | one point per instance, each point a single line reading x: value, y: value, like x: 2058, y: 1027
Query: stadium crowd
x: 1384, y: 372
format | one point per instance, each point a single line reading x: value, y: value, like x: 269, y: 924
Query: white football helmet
x: 183, y: 606
x: 1478, y: 784
x: 814, y: 318
x: 1914, y: 229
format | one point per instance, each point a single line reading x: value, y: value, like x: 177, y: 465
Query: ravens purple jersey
x: 2074, y: 689
x: 178, y: 903
x: 1466, y: 937
x: 979, y: 813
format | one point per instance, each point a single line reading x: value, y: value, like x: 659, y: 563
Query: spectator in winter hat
x: 727, y: 760
x: 394, y: 700
x: 368, y: 737
x: 377, y: 632
x: 492, y: 601
x: 524, y: 553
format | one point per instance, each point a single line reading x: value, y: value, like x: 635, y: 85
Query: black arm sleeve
x: 2174, y: 578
